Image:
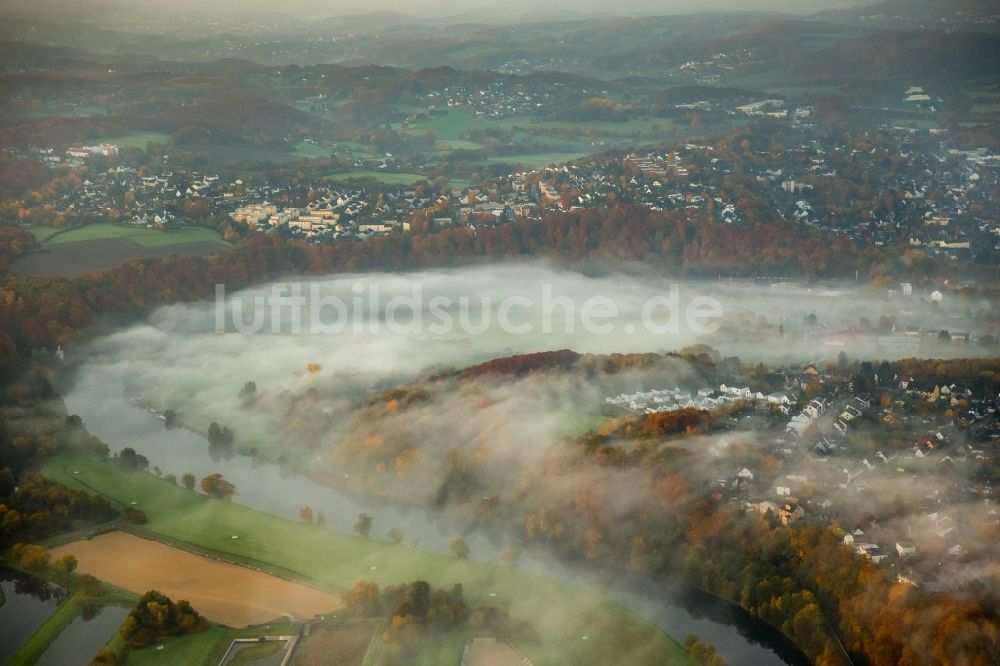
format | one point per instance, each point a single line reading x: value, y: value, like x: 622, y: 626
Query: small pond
x: 27, y: 603
x: 84, y: 637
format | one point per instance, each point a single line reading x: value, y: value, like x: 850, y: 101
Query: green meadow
x: 143, y: 236
x: 392, y: 178
x: 136, y: 139
x: 561, y: 614
x: 536, y: 161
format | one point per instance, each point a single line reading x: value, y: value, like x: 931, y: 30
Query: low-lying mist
x: 357, y: 381
x: 468, y: 315
x: 292, y: 364
x: 300, y: 379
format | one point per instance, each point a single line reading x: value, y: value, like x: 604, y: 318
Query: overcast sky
x: 481, y: 9
x: 443, y: 7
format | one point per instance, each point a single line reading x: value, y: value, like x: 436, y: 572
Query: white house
x: 871, y: 551
x: 778, y: 399
x: 814, y: 409
x: 737, y: 391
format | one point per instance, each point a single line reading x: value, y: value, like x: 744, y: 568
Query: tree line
x: 417, y: 612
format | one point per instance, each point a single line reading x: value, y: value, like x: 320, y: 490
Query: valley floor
x: 561, y: 614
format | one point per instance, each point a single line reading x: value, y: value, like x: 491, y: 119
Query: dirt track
x: 225, y: 593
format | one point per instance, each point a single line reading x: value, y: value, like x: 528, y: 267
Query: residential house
x: 790, y: 511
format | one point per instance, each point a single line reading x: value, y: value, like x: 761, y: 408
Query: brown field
x: 225, y: 593
x: 88, y: 256
x: 341, y: 644
x: 488, y: 652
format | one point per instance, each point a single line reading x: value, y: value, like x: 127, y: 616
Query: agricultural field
x: 456, y: 144
x: 42, y: 233
x: 68, y: 111
x: 137, y: 139
x: 220, y: 156
x: 914, y: 122
x: 445, y: 648
x: 243, y: 158
x: 536, y: 161
x: 141, y: 235
x: 990, y: 109
x: 493, y: 653
x: 568, y: 139
x: 392, y: 178
x: 137, y: 564
x: 356, y: 149
x: 804, y: 89
x: 311, y: 150
x: 450, y: 127
x: 345, y: 643
x: 559, y: 612
x: 634, y: 127
x: 987, y: 105
x: 99, y: 247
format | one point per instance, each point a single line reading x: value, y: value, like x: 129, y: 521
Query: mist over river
x: 99, y: 397
x: 197, y: 359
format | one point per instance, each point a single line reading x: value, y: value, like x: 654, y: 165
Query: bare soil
x: 225, y: 593
x: 493, y: 653
x: 340, y: 644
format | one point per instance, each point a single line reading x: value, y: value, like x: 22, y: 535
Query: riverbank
x: 103, y: 401
x: 561, y: 614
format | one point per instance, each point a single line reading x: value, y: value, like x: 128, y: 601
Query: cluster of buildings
x: 495, y: 100
x: 312, y: 219
x: 787, y: 512
x: 75, y: 155
x: 655, y: 165
x: 801, y: 422
x: 532, y: 64
x: 916, y: 97
x: 935, y: 197
x: 720, y: 65
x: 337, y: 213
x: 913, y: 505
x: 669, y: 399
x: 659, y: 180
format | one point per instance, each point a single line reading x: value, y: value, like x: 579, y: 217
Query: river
x: 98, y: 396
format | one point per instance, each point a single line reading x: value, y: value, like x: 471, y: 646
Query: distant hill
x: 372, y: 22
x: 898, y: 54
x: 967, y: 14
x: 24, y: 54
x: 239, y: 116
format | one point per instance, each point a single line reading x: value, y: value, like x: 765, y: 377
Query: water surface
x: 28, y: 602
x: 80, y: 642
